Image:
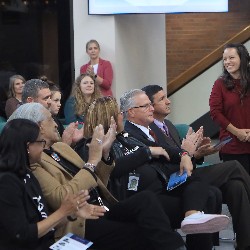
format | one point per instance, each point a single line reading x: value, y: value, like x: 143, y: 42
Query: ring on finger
x: 99, y: 141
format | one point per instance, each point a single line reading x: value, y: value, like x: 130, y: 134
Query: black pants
x: 234, y: 182
x: 138, y: 222
x: 243, y: 159
x: 174, y: 209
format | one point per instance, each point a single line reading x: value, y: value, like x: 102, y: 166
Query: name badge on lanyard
x: 133, y: 181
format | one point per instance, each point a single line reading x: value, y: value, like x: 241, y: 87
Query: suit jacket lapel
x: 173, y: 132
x: 138, y: 134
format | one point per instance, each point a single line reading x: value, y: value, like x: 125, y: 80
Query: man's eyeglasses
x: 145, y: 106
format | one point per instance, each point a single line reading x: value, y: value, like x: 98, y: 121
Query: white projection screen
x: 116, y: 7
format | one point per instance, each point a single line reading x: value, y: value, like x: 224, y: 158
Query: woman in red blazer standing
x: 100, y: 69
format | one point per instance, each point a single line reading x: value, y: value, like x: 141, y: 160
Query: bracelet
x: 184, y: 153
x: 89, y: 165
x: 70, y: 218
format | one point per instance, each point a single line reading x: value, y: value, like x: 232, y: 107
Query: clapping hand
x: 90, y: 70
x: 192, y: 140
x: 96, y: 145
x: 89, y: 211
x: 109, y: 139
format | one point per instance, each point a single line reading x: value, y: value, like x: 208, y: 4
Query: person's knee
x: 147, y: 196
x: 233, y: 188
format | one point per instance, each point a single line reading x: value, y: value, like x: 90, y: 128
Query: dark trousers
x: 174, y: 209
x: 234, y: 182
x: 243, y: 159
x: 138, y: 222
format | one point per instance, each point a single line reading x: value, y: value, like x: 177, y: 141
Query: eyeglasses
x: 145, y: 106
x: 41, y: 141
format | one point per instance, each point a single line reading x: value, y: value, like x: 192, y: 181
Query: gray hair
x: 32, y: 87
x: 127, y: 100
x: 31, y: 111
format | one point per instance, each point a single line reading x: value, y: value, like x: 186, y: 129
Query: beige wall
x: 135, y: 45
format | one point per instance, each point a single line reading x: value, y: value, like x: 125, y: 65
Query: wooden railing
x: 205, y: 63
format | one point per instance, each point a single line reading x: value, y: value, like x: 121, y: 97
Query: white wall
x: 140, y: 51
x: 191, y: 102
x: 135, y: 45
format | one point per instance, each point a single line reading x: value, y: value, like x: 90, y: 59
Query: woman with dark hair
x: 24, y: 220
x: 230, y: 104
x: 101, y: 70
x: 15, y: 94
x: 84, y: 91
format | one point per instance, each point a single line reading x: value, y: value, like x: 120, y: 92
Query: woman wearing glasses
x: 24, y: 220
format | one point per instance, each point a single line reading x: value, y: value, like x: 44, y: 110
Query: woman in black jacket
x: 24, y: 220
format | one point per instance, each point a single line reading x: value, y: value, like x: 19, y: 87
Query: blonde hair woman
x: 15, y: 94
x: 100, y: 69
x: 85, y: 90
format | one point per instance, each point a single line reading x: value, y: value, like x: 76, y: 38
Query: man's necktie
x: 165, y: 129
x: 151, y: 132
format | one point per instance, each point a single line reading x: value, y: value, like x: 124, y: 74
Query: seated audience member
x: 84, y: 91
x: 15, y: 94
x: 134, y: 159
x: 25, y: 223
x: 36, y: 90
x: 138, y: 222
x: 101, y: 70
x: 230, y: 176
x: 55, y: 103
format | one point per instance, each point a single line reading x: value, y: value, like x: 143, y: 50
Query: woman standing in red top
x: 100, y: 69
x: 230, y: 104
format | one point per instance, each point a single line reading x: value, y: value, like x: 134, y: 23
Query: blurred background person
x: 230, y: 104
x: 15, y: 94
x: 85, y: 90
x: 55, y: 103
x: 100, y: 69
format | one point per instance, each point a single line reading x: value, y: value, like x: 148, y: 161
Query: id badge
x: 133, y: 181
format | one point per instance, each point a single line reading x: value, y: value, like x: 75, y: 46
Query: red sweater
x: 105, y: 71
x: 225, y: 108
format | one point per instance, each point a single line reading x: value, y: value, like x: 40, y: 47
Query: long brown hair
x: 81, y: 105
x: 100, y: 112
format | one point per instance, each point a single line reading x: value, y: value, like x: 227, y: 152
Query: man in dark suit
x: 230, y: 176
x: 138, y: 111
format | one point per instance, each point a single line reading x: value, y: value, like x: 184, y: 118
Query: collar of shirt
x: 158, y: 124
x: 143, y: 129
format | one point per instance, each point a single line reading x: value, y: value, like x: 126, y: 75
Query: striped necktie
x: 165, y: 129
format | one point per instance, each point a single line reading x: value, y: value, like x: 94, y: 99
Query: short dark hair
x: 32, y: 87
x: 13, y: 145
x: 151, y: 90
